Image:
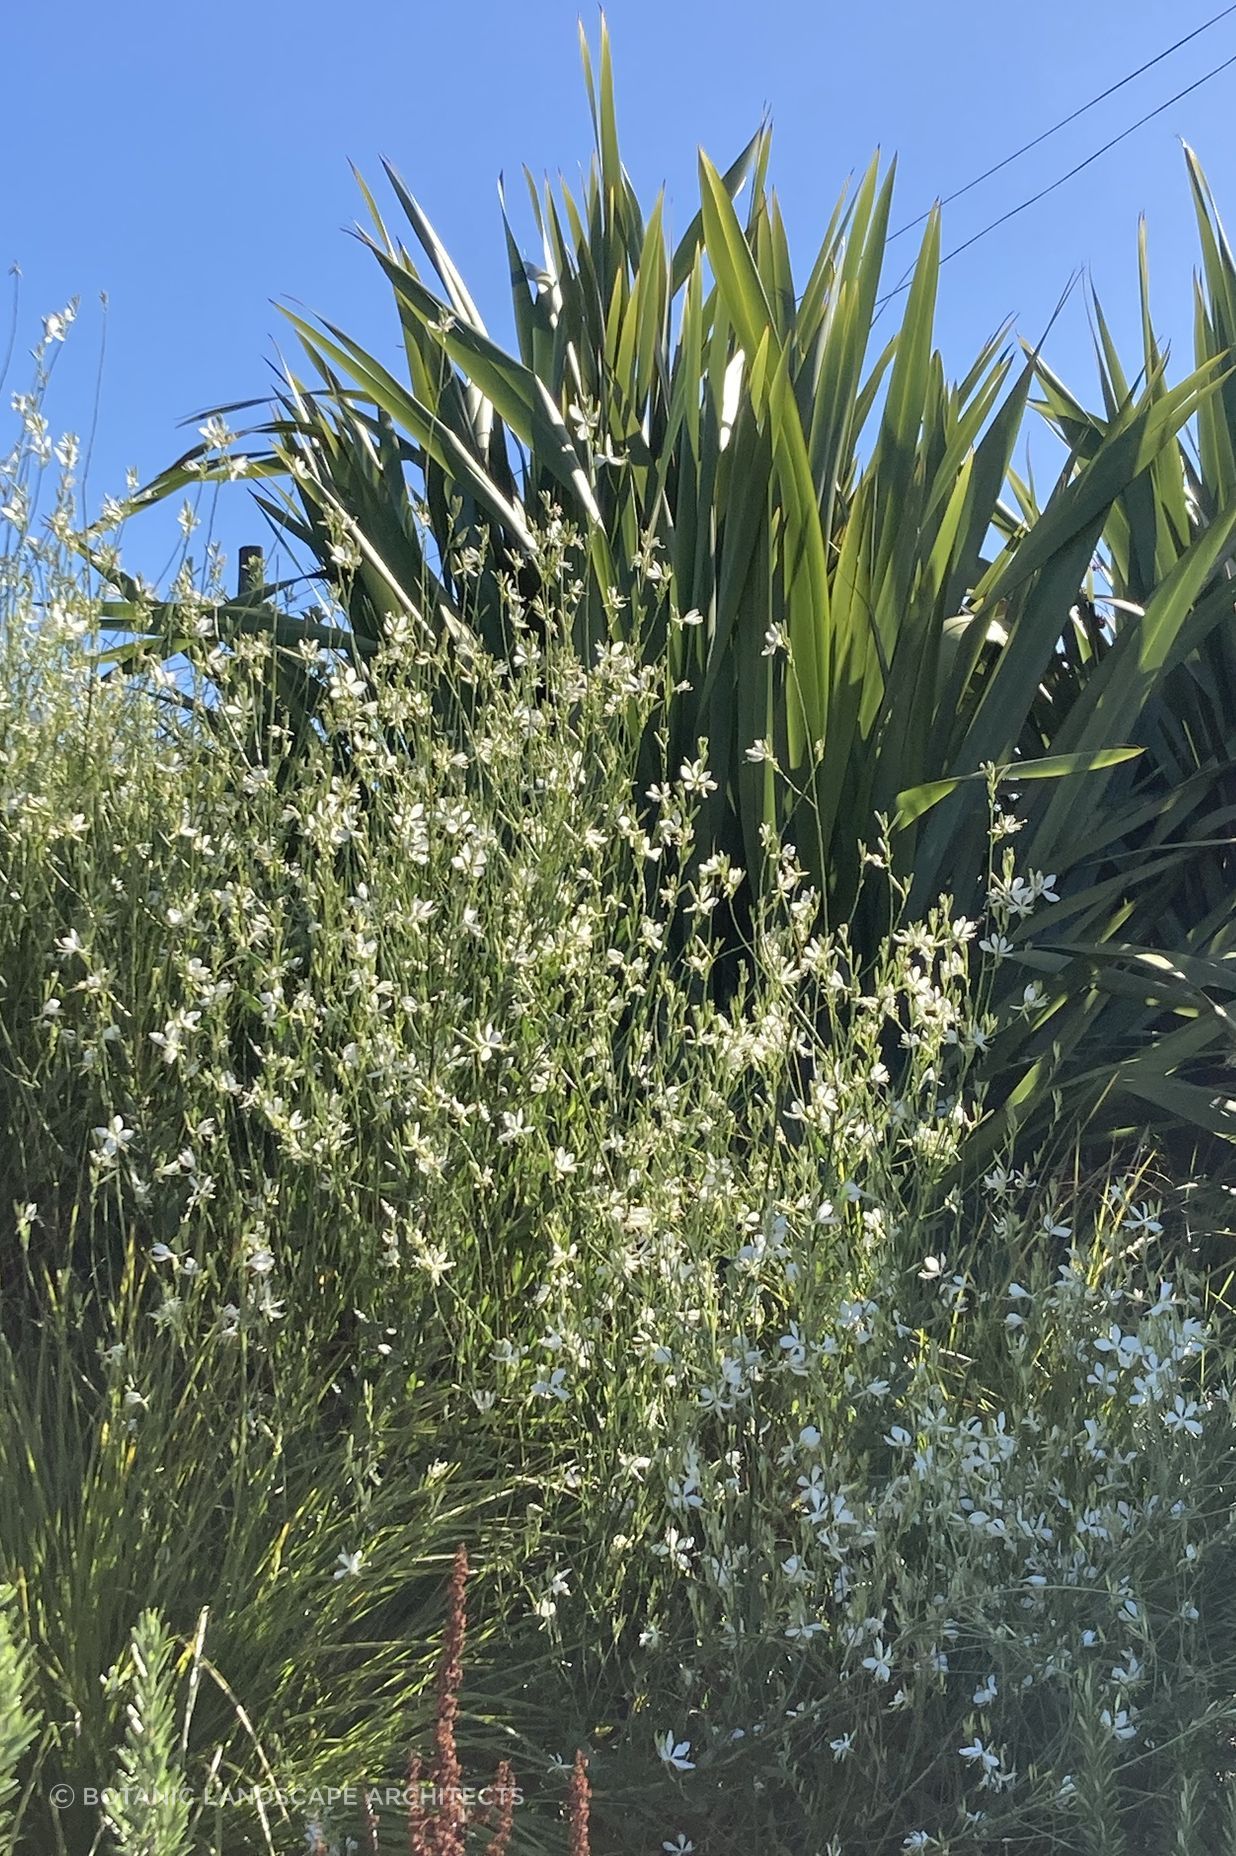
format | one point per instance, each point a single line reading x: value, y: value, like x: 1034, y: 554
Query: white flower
x: 434, y: 1261
x: 1032, y: 998
x: 1183, y: 1416
x: 267, y: 1305
x: 163, y: 1253
x: 675, y: 1753
x: 842, y: 1746
x: 584, y: 419
x: 349, y: 1564
x: 676, y: 1548
x: 1118, y: 1725
x: 113, y: 1139
x: 1141, y: 1218
x: 487, y: 1041
x: 1126, y: 1347
x: 985, y: 1692
x: 696, y: 778
x: 879, y: 1662
x: 804, y: 1631
x: 983, y: 1755
x: 681, y: 1846
x: 1129, y: 1672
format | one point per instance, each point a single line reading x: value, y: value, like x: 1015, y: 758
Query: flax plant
x: 780, y: 497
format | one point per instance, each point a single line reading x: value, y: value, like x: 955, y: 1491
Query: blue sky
x: 193, y: 163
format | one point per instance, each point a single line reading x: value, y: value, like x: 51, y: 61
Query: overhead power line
x: 1052, y: 186
x: 1065, y: 121
x: 1034, y: 198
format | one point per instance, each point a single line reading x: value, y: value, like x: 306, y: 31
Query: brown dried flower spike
x: 440, y: 1828
x: 579, y: 1794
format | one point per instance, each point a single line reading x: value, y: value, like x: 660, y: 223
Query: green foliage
x: 812, y: 540
x: 19, y: 1720
x: 385, y: 1171
x: 147, y: 1809
x: 397, y: 1156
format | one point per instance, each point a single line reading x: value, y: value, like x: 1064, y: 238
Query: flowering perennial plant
x: 382, y: 1171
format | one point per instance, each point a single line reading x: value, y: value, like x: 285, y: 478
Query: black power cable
x: 1064, y: 121
x: 1034, y: 198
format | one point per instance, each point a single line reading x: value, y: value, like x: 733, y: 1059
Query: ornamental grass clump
x: 385, y: 1173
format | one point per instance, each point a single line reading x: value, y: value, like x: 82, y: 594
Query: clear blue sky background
x: 193, y: 163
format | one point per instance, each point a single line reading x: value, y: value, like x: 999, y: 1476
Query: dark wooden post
x: 251, y: 572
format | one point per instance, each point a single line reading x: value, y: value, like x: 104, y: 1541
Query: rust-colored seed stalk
x: 420, y: 1829
x: 504, y: 1784
x: 578, y: 1799
x: 438, y: 1826
x: 448, y: 1780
